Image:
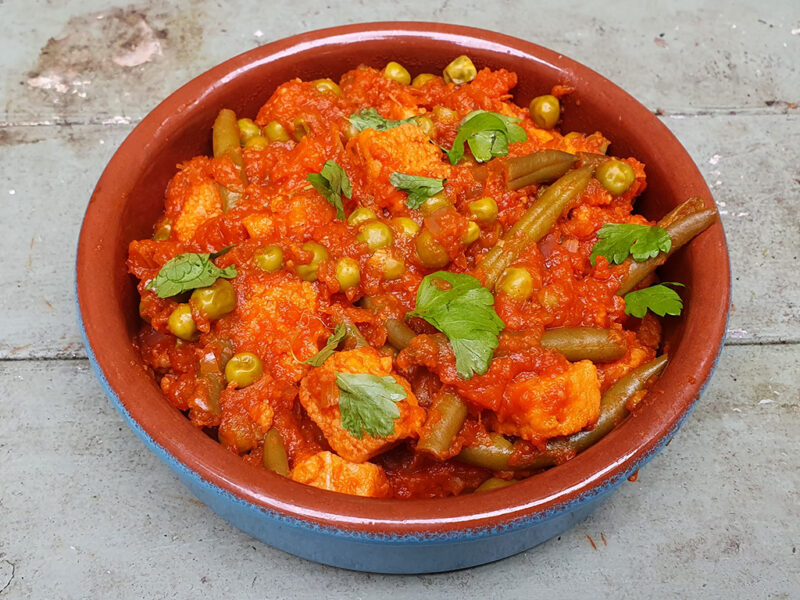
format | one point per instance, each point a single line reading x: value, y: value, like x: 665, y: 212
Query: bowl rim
x: 196, y: 456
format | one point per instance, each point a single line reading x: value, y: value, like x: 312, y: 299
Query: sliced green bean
x: 592, y: 159
x: 682, y: 224
x: 586, y: 343
x: 225, y: 135
x: 398, y: 333
x: 494, y: 456
x: 225, y: 138
x: 444, y: 426
x: 494, y: 483
x: 275, y: 458
x: 210, y: 373
x: 540, y: 167
x: 534, y: 224
x: 613, y: 409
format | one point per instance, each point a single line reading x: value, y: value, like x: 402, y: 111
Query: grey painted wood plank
x: 47, y: 175
x: 87, y: 511
x: 104, y: 63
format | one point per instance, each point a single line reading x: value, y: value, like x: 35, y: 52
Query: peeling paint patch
x: 110, y: 59
x: 17, y: 137
x: 143, y: 51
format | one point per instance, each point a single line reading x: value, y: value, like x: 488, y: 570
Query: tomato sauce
x: 285, y: 319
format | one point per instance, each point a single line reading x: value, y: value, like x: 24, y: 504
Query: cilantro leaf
x: 335, y: 338
x: 616, y: 241
x: 488, y: 134
x: 368, y: 403
x: 419, y: 188
x: 465, y: 314
x: 658, y: 299
x: 332, y: 182
x: 222, y: 252
x: 369, y: 118
x: 188, y: 271
x: 516, y: 133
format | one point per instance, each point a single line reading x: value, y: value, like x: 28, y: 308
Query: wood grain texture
x: 70, y: 63
x: 87, y: 511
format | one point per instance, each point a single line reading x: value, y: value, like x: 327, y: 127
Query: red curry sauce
x: 284, y: 320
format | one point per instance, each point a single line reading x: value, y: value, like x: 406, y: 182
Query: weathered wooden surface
x: 86, y: 511
x: 69, y: 64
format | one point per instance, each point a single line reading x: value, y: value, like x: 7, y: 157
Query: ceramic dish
x: 393, y: 536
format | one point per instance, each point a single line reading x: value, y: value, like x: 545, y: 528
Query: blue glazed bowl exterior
x: 369, y: 535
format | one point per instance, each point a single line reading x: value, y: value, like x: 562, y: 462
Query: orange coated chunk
x: 192, y: 198
x: 543, y: 407
x: 319, y: 395
x: 276, y: 318
x: 327, y: 471
x: 404, y: 149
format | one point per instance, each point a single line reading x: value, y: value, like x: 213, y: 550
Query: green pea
x: 215, y: 301
x: 327, y: 86
x: 484, y: 210
x: 545, y: 111
x: 163, y: 230
x: 435, y: 203
x: 349, y: 131
x: 308, y: 272
x: 461, y: 70
x: 421, y: 79
x: 406, y: 226
x: 301, y: 128
x: 472, y: 234
x: 375, y: 235
x: 247, y: 129
x: 348, y: 273
x: 275, y: 132
x: 391, y: 267
x: 360, y: 215
x: 516, y: 283
x: 616, y: 176
x: 425, y: 123
x: 397, y: 72
x: 181, y: 324
x: 243, y: 369
x: 269, y: 258
x: 258, y: 142
x: 442, y: 113
x: 431, y: 253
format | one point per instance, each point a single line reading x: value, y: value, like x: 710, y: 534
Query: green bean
x: 440, y: 430
x: 534, y: 224
x: 682, y: 224
x: 210, y: 374
x: 613, y: 409
x: 539, y: 167
x: 275, y: 458
x: 398, y: 333
x: 225, y: 135
x: 586, y: 343
x: 591, y: 159
x: 494, y: 483
x: 225, y: 138
x: 494, y: 456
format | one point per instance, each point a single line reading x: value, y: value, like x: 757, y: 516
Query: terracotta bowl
x: 390, y: 535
